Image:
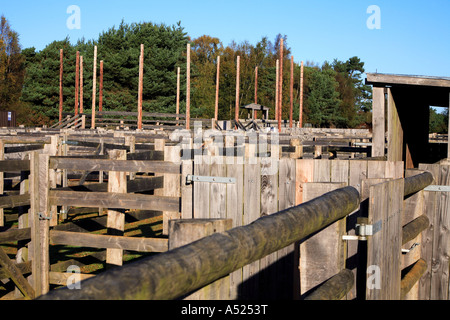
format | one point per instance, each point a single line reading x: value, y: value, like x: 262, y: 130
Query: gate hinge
x: 363, y: 229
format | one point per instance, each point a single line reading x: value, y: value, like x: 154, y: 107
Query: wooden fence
x: 253, y: 185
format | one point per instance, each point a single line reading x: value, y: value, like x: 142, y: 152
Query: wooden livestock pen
x: 245, y: 216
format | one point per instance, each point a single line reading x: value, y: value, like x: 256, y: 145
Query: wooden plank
x: 235, y: 210
x: 322, y: 255
x: 141, y: 184
x: 378, y: 122
x: 114, y: 165
x: 16, y: 275
x: 15, y: 235
x: 322, y: 170
x: 113, y: 200
x: 304, y: 173
x: 14, y: 165
x: 384, y: 247
x: 14, y: 201
x: 90, y: 240
x: 183, y: 232
x: 269, y: 205
x: 117, y: 183
x: 285, y: 256
x: 252, y: 187
x: 187, y: 167
x: 201, y: 189
x: 218, y: 191
x: 172, y: 185
x: 395, y: 131
x: 62, y: 278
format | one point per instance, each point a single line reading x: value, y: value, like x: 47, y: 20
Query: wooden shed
x: 401, y: 115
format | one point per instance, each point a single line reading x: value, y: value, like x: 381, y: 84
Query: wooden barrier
x: 269, y: 178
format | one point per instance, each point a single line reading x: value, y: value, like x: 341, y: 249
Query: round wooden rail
x: 177, y: 272
x: 418, y: 182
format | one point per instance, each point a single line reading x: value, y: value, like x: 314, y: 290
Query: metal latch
x: 193, y: 178
x: 405, y: 251
x: 363, y: 229
x: 437, y: 188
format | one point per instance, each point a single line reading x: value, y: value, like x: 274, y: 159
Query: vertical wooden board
x: 378, y: 121
x: 358, y: 172
x: 218, y: 191
x: 426, y: 245
x: 44, y: 223
x: 441, y: 239
x: 269, y: 205
x: 201, y: 189
x: 235, y: 204
x: 2, y: 157
x: 321, y: 255
x: 395, y: 131
x: 304, y: 173
x: 252, y: 192
x: 394, y: 169
x: 340, y: 171
x: 187, y: 168
x: 384, y: 246
x: 287, y: 199
x: 322, y: 170
x: 376, y: 169
x: 117, y: 182
x: 172, y: 185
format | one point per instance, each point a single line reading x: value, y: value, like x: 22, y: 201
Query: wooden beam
x: 382, y: 79
x: 300, y: 113
x: 114, y: 200
x: 280, y: 84
x: 89, y: 240
x: 334, y: 288
x: 60, y: 84
x: 14, y: 201
x: 14, y: 165
x: 94, y: 88
x: 236, y: 106
x: 178, y: 95
x: 140, y: 86
x: 100, y: 90
x: 81, y: 85
x: 188, y: 86
x: 378, y: 121
x: 114, y: 165
x: 216, y: 105
x: 291, y: 92
x: 77, y: 81
x: 16, y: 275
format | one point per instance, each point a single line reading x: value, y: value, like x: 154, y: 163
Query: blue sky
x: 413, y: 39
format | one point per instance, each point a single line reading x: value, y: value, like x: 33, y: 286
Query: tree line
x: 334, y: 92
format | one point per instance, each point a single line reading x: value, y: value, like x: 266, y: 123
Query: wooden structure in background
x: 402, y: 102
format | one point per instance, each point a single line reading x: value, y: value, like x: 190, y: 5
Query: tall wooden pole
x: 141, y: 86
x: 255, y: 112
x: 188, y: 86
x: 280, y: 90
x: 94, y: 87
x: 81, y: 84
x: 300, y: 116
x: 277, y: 80
x: 236, y: 109
x: 60, y: 84
x: 178, y: 94
x: 291, y: 96
x: 216, y: 108
x: 100, y: 92
x: 77, y: 81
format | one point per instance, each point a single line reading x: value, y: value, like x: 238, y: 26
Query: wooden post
x: 100, y: 93
x: 2, y: 182
x: 277, y: 80
x: 60, y: 84
x: 280, y: 90
x: 255, y: 112
x: 117, y: 182
x: 300, y: 113
x: 94, y: 87
x: 77, y: 81
x: 178, y: 95
x: 291, y: 93
x: 448, y: 143
x: 216, y: 109
x: 81, y: 84
x: 183, y: 232
x: 236, y: 110
x: 140, y: 89
x: 188, y: 87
